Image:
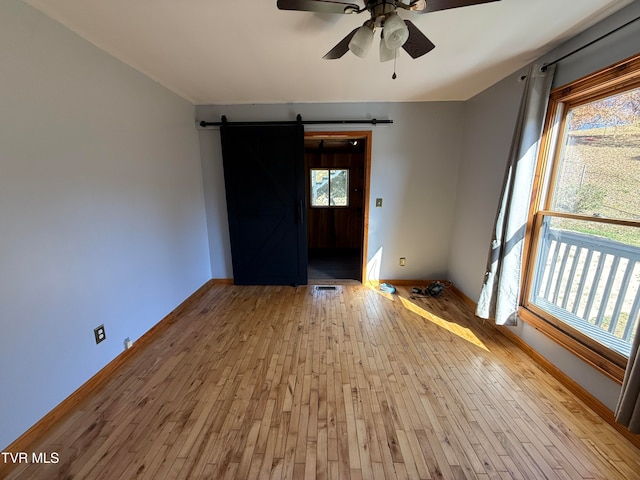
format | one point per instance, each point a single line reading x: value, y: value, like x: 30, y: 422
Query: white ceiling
x: 227, y: 52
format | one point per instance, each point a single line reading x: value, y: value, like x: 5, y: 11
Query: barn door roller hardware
x: 297, y: 121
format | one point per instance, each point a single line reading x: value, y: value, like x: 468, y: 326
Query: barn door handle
x: 301, y: 211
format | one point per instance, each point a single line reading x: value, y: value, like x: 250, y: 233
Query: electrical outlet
x: 99, y: 333
x: 403, y: 261
x: 378, y: 202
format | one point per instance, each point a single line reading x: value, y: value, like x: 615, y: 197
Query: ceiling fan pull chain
x: 395, y: 56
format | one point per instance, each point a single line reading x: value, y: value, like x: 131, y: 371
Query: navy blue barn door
x: 265, y: 189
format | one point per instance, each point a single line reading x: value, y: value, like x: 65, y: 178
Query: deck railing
x: 591, y: 283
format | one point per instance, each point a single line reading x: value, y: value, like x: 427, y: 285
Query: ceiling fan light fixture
x: 386, y: 53
x: 362, y: 40
x: 396, y: 32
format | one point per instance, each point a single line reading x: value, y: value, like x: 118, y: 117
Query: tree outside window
x: 329, y: 187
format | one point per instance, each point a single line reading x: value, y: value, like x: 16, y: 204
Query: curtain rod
x: 547, y: 65
x: 297, y: 121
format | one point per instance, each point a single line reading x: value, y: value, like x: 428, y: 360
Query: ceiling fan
x: 395, y: 32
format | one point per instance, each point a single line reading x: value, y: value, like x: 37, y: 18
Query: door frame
x: 367, y: 136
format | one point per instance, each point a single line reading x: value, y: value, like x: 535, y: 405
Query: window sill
x: 611, y: 364
x: 327, y: 207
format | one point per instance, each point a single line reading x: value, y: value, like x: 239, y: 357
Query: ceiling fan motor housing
x: 380, y: 10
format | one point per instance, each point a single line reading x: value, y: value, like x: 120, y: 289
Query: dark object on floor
x: 434, y: 289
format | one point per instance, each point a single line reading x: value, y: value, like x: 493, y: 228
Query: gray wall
x: 414, y: 167
x: 489, y: 120
x: 101, y: 207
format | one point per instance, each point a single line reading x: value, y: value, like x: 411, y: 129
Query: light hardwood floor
x: 283, y: 382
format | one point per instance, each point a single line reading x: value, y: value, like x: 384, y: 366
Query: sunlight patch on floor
x: 452, y: 327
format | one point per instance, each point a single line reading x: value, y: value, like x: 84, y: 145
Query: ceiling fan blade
x: 424, y: 6
x: 341, y: 48
x: 322, y: 6
x: 417, y: 44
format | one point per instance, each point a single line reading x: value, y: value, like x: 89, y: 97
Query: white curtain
x: 628, y: 409
x: 500, y: 295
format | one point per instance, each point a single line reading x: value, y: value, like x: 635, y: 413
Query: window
x: 329, y: 187
x: 583, y: 277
